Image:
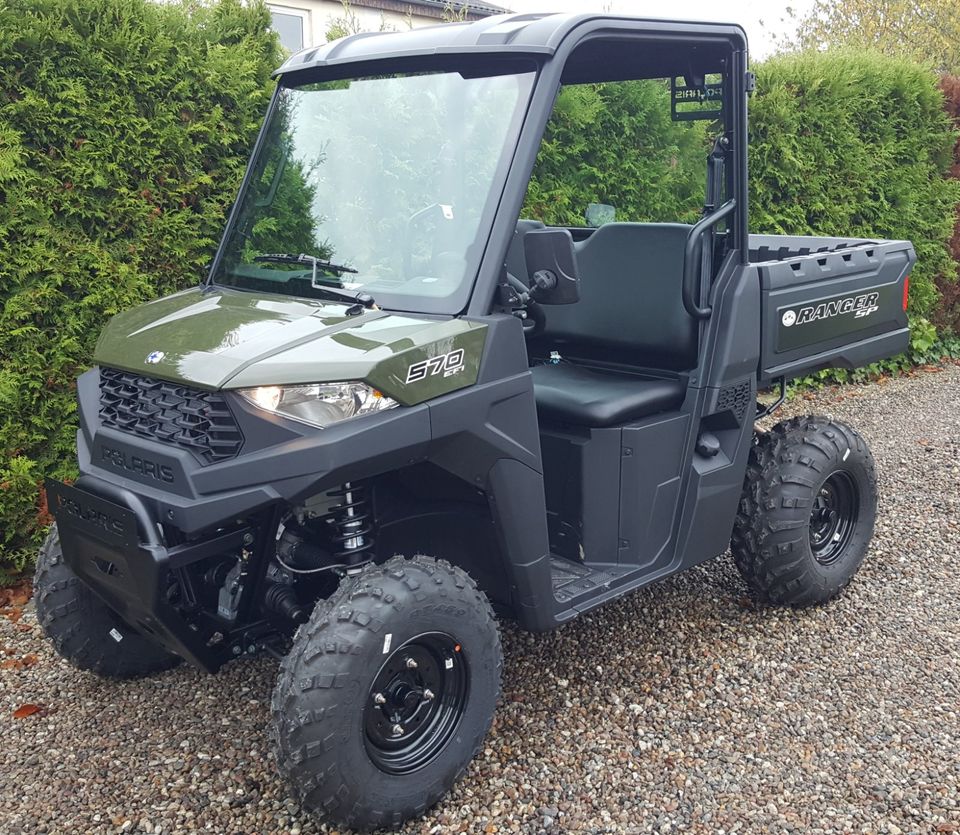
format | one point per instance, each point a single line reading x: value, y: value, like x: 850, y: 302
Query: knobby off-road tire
x: 355, y: 732
x: 807, y: 512
x: 83, y: 628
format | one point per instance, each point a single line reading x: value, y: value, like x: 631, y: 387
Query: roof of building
x: 479, y: 8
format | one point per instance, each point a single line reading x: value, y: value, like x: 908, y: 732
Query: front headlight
x: 319, y: 404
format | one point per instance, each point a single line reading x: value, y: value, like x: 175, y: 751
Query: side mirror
x: 597, y: 214
x: 552, y: 266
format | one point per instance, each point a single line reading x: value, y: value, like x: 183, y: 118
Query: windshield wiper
x: 302, y: 258
x: 335, y: 293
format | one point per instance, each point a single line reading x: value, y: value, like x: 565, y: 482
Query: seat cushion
x: 586, y: 397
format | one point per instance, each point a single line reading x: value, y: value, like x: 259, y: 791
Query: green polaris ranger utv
x: 397, y: 408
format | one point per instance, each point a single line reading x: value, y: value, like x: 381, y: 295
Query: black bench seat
x: 583, y: 396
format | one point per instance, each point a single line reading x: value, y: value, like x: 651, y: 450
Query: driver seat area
x: 576, y: 394
x: 630, y: 316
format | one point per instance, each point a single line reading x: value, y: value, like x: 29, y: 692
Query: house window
x: 290, y: 25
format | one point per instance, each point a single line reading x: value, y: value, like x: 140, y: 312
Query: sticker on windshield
x: 445, y: 364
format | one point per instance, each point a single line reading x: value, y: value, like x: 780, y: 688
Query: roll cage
x: 567, y: 49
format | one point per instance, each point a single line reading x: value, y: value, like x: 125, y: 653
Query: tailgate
x: 841, y: 307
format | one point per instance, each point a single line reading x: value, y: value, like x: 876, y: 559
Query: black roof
x: 529, y: 34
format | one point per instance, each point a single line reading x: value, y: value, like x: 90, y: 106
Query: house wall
x: 317, y: 16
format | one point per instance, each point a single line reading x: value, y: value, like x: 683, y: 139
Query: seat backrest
x: 631, y: 303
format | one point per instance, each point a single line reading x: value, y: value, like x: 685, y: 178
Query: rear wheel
x: 83, y: 629
x: 807, y: 512
x: 387, y: 693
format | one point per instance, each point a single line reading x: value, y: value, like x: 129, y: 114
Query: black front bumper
x: 112, y: 544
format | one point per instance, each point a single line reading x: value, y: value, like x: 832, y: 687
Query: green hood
x: 231, y: 339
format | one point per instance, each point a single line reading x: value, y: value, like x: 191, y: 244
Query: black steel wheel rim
x: 415, y: 703
x: 834, y: 517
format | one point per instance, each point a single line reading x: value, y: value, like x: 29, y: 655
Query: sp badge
x: 444, y: 364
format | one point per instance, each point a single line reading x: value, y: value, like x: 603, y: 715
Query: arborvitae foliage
x: 615, y: 144
x: 855, y: 144
x: 125, y: 126
x: 947, y: 316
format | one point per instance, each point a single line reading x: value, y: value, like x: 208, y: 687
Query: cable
x: 333, y: 567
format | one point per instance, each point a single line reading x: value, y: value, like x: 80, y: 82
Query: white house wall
x: 320, y: 15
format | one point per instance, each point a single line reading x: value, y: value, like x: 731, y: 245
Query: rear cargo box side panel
x: 842, y: 308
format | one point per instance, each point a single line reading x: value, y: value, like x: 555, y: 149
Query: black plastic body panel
x: 675, y: 506
x: 839, y: 305
x: 582, y: 491
x: 649, y: 488
x: 282, y: 461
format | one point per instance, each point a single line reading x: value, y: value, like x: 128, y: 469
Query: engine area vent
x: 735, y: 398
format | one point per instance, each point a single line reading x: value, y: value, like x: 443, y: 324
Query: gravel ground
x: 684, y: 707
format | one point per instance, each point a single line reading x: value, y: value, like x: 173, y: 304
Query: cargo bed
x: 830, y: 302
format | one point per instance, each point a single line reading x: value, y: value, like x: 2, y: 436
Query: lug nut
x: 379, y: 699
x: 428, y: 695
x: 411, y: 664
x: 397, y: 730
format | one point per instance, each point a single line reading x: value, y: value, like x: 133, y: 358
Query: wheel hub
x: 833, y: 517
x: 415, y: 703
x: 403, y: 701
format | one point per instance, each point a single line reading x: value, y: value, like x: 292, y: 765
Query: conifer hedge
x: 124, y: 130
x: 125, y: 126
x: 856, y: 144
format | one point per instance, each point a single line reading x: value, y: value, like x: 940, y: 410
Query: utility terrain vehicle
x: 397, y: 404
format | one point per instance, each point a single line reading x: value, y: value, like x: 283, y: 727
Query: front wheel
x: 387, y: 693
x: 807, y: 512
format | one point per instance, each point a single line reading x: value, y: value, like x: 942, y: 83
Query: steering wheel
x: 444, y: 209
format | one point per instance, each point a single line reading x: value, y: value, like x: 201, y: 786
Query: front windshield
x: 389, y: 182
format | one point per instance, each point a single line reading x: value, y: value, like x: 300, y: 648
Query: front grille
x: 200, y: 421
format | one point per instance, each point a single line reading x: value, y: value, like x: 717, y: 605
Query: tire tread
x: 775, y: 502
x: 320, y: 650
x: 76, y: 622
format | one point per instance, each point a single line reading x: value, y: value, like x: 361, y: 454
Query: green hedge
x: 124, y: 130
x: 854, y: 144
x: 616, y: 144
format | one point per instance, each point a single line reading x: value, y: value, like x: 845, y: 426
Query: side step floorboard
x: 573, y: 580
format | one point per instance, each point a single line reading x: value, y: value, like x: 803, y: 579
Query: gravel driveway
x: 684, y: 707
